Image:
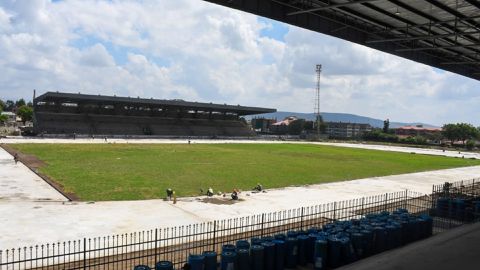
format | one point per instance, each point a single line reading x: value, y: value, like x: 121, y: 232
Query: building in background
x: 68, y: 113
x: 418, y: 130
x: 346, y: 130
x: 262, y: 125
x: 282, y: 126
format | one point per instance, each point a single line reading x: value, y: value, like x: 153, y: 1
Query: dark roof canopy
x: 112, y: 100
x: 441, y: 33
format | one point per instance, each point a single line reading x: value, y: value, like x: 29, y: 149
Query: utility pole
x: 317, y: 100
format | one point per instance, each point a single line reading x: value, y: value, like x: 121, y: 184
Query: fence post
x: 156, y: 245
x: 84, y: 253
x: 334, y: 211
x: 214, y: 235
x: 301, y: 219
x: 473, y: 187
x: 263, y: 221
x: 405, y: 199
x: 363, y: 206
x: 385, y: 202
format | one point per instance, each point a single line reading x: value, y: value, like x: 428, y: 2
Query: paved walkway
x: 41, y: 214
x: 19, y: 183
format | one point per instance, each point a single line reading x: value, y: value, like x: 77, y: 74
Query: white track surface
x: 31, y: 212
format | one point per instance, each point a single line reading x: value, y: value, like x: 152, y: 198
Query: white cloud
x: 198, y: 51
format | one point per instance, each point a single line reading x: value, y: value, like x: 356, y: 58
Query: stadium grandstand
x: 66, y: 113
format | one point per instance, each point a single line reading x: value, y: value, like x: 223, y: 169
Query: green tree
x: 3, y: 117
x: 466, y: 132
x: 386, y: 126
x: 25, y: 112
x: 2, y: 105
x: 459, y: 132
x: 451, y: 132
x: 296, y: 127
x: 9, y: 104
x: 19, y: 103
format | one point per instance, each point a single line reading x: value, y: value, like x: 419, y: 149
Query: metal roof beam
x: 404, y: 20
x: 434, y: 19
x: 474, y: 3
x: 453, y: 12
x: 353, y: 14
x: 424, y: 37
x: 437, y: 48
x: 330, y: 7
x: 327, y: 18
x: 439, y: 23
x: 461, y: 63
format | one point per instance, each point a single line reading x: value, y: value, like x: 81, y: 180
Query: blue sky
x: 194, y: 50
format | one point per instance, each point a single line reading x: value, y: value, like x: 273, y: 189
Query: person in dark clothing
x: 15, y: 158
x: 169, y: 194
x: 234, y: 195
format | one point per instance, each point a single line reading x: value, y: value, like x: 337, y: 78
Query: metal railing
x: 456, y: 203
x: 124, y: 251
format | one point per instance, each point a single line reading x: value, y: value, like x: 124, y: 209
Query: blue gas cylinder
x: 357, y: 243
x: 228, y: 248
x: 291, y: 252
x: 443, y: 207
x: 302, y: 249
x: 164, y: 265
x: 380, y: 239
x: 279, y: 254
x: 196, y: 261
x: 334, y: 251
x: 256, y: 257
x: 228, y: 260
x: 210, y: 260
x: 242, y: 244
x: 320, y: 255
x: 255, y: 241
x: 367, y: 242
x: 268, y: 255
x: 243, y: 259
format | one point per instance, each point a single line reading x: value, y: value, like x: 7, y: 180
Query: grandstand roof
x: 106, y: 100
x: 441, y: 33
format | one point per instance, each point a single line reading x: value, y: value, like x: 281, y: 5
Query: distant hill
x: 338, y: 117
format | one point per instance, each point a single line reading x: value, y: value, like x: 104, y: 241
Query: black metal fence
x: 176, y: 243
x: 456, y: 203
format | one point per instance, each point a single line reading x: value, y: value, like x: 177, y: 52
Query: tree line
x: 21, y: 108
x: 464, y: 133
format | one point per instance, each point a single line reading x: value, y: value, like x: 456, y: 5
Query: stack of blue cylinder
x: 463, y: 209
x: 334, y: 245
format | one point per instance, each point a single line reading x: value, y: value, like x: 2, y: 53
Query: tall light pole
x: 317, y: 100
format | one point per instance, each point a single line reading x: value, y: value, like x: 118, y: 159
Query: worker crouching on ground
x: 258, y: 188
x: 235, y: 194
x: 210, y: 192
x: 169, y: 194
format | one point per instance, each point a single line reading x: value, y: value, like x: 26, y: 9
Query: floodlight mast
x: 317, y: 100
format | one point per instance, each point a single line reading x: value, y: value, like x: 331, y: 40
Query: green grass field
x: 133, y: 172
